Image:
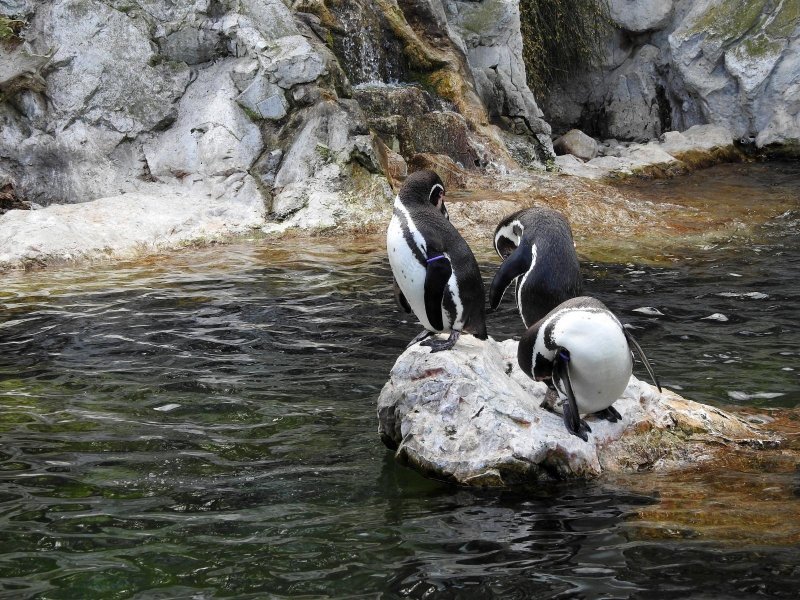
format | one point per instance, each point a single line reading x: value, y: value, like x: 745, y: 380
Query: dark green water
x: 203, y: 426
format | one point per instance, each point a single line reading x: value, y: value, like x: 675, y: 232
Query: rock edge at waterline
x: 471, y: 416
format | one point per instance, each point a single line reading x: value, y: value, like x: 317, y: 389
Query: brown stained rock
x: 472, y: 417
x: 453, y: 176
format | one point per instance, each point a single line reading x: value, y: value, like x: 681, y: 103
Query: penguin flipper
x: 517, y: 263
x: 437, y: 275
x: 632, y: 342
x: 572, y: 419
x: 400, y: 298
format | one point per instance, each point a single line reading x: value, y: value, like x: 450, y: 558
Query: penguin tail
x: 479, y: 332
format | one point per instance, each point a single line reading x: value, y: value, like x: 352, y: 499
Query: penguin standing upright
x: 538, y: 253
x: 436, y: 275
x: 582, y: 350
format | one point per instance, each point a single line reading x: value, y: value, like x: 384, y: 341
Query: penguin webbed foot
x: 422, y: 335
x: 439, y: 345
x: 575, y: 425
x: 609, y: 414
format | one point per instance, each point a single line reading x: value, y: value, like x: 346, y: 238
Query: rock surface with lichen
x: 471, y: 416
x: 672, y: 65
x: 310, y: 113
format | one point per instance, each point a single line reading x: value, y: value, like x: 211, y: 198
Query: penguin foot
x: 581, y: 429
x: 439, y: 345
x: 424, y: 334
x: 609, y: 414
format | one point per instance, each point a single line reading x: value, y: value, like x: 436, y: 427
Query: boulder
x: 697, y: 137
x: 633, y: 102
x: 638, y: 16
x: 577, y: 143
x: 471, y: 416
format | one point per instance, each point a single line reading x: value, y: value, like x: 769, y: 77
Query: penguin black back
x: 538, y: 252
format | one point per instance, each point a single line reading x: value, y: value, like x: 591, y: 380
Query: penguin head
x: 508, y: 236
x: 424, y: 187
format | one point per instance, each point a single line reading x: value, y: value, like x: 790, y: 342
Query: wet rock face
x: 672, y: 65
x: 105, y: 97
x: 471, y: 416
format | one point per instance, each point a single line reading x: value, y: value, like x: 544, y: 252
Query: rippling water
x: 203, y: 425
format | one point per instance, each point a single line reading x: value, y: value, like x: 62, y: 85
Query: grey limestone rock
x: 577, y: 143
x: 490, y: 34
x: 212, y: 135
x: 640, y: 15
x: 732, y: 63
x: 471, y: 416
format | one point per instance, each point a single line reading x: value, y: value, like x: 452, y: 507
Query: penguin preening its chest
x: 436, y: 275
x: 582, y: 350
x: 538, y: 253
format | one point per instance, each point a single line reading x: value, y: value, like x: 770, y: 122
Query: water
x: 203, y: 425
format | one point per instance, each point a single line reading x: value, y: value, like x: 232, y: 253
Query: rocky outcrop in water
x: 470, y: 415
x: 674, y: 64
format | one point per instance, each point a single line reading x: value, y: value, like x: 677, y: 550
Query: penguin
x: 435, y: 273
x: 538, y: 253
x: 583, y: 352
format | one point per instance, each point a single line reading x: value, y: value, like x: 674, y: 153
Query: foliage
x: 10, y: 28
x: 562, y: 38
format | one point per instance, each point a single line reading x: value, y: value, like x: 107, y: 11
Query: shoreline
x: 612, y: 220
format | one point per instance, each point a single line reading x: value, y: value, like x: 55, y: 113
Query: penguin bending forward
x: 435, y: 273
x: 538, y: 253
x: 581, y: 350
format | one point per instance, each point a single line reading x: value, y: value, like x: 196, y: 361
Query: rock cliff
x: 270, y: 114
x: 672, y: 64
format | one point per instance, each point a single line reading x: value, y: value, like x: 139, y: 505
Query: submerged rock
x: 471, y: 416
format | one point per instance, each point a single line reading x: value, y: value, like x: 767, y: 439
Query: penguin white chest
x: 600, y: 363
x: 405, y: 245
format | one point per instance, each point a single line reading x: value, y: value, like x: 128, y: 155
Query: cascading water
x: 366, y: 47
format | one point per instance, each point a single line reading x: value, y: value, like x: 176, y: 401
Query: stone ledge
x: 472, y: 417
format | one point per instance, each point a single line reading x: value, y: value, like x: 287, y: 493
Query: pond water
x: 203, y: 425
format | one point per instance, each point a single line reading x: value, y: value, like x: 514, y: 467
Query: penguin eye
x: 437, y: 191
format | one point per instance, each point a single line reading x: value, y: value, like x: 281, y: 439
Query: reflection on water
x: 203, y: 426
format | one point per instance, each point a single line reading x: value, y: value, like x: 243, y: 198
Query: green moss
x: 562, y: 38
x: 760, y: 45
x: 483, y: 16
x: 763, y: 22
x: 420, y: 57
x: 10, y: 28
x: 786, y: 21
x: 729, y: 19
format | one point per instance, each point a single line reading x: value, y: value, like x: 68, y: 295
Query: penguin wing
x: 517, y: 263
x: 400, y: 298
x: 437, y: 275
x: 632, y: 342
x: 572, y: 418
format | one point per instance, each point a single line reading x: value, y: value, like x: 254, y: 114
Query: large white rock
x: 104, y: 72
x: 697, y: 137
x: 122, y: 226
x: 471, y: 416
